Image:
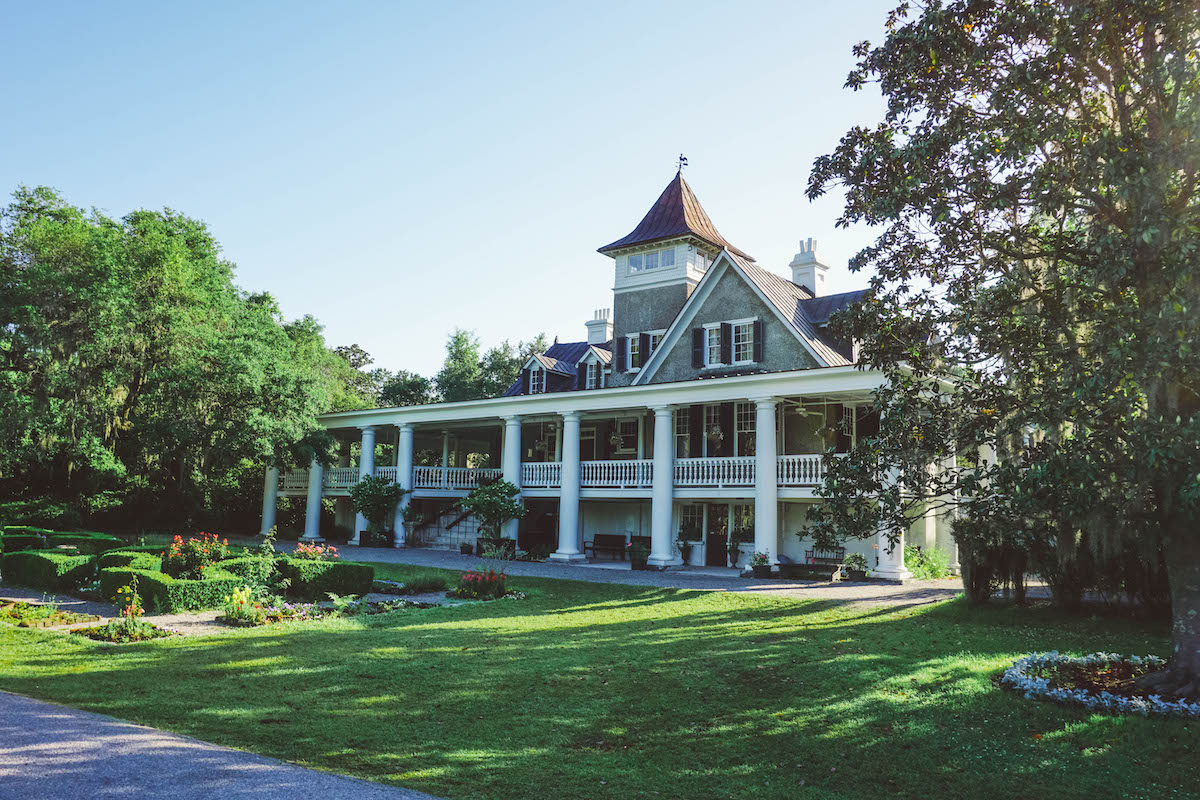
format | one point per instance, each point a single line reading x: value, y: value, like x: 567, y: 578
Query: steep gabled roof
x: 804, y: 312
x: 676, y: 212
x: 791, y: 303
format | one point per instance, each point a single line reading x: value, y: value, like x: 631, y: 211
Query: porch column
x: 662, y: 498
x: 568, y: 502
x: 766, y: 482
x: 445, y: 482
x: 891, y: 557
x: 366, y: 467
x: 510, y: 465
x: 404, y: 459
x: 312, y: 510
x: 270, y: 498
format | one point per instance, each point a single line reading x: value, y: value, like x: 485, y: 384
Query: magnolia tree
x: 1034, y: 303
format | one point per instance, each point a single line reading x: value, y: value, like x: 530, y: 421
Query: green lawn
x: 602, y: 691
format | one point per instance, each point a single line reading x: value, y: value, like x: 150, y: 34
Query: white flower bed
x: 1018, y: 677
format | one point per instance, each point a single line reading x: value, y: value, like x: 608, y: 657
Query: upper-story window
x: 699, y: 260
x: 712, y: 346
x: 635, y: 356
x: 537, y: 380
x: 639, y: 262
x: 595, y: 375
x: 683, y: 433
x: 743, y: 342
x: 655, y: 340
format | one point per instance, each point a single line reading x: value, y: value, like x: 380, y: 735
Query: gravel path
x: 192, y: 623
x: 713, y: 580
x: 51, y: 752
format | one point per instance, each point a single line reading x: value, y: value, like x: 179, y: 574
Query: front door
x: 716, y: 536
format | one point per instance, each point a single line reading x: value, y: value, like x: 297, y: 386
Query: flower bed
x: 1099, y: 682
x: 111, y: 633
x: 480, y: 585
x: 40, y: 615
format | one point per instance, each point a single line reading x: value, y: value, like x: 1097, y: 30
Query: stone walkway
x: 696, y: 578
x: 50, y: 752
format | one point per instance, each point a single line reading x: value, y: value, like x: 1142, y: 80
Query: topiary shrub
x: 43, y: 569
x: 139, y: 558
x: 23, y: 537
x: 165, y: 594
x: 86, y: 541
x: 313, y: 580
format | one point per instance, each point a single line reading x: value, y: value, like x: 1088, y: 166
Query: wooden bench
x: 831, y: 558
x: 606, y: 543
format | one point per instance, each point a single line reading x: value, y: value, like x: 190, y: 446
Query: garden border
x: 1033, y: 688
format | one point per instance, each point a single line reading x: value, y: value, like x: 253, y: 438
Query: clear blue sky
x: 400, y: 169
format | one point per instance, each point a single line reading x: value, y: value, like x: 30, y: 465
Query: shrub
x: 163, y: 593
x: 480, y: 585
x: 43, y: 569
x: 927, y: 564
x: 189, y: 559
x: 20, y: 537
x: 87, y: 542
x: 311, y: 580
x: 425, y: 582
x: 140, y: 557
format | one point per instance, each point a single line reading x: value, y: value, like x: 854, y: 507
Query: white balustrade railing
x: 793, y: 470
x: 293, y: 480
x: 806, y: 470
x: 452, y: 477
x: 715, y: 472
x: 617, y: 474
x: 541, y: 475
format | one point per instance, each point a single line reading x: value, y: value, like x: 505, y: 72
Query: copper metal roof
x: 676, y: 212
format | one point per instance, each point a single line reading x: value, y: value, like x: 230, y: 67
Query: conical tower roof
x: 676, y: 212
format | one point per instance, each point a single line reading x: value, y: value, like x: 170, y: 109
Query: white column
x: 312, y: 510
x: 766, y: 483
x: 891, y: 556
x: 662, y: 497
x: 568, y: 502
x: 366, y: 467
x: 404, y: 459
x: 510, y: 466
x: 270, y: 498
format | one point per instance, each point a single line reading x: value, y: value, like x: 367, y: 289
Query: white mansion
x: 699, y: 408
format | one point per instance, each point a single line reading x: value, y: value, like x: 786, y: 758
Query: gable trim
x: 687, y: 314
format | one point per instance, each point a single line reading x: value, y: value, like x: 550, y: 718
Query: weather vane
x: 682, y: 163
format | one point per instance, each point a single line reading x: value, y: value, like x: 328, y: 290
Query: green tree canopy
x: 1035, y: 291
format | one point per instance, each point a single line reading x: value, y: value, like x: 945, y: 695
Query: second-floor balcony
x: 806, y: 470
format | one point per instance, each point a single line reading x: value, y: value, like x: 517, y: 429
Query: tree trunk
x: 1181, y: 678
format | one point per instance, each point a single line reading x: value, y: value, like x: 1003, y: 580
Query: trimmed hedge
x: 42, y: 569
x: 142, y: 558
x: 312, y: 580
x: 23, y: 537
x: 86, y: 541
x: 162, y: 593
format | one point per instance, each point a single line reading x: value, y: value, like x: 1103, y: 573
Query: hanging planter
x: 616, y: 442
x: 715, y: 434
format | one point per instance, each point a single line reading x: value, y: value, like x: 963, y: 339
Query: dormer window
x: 537, y: 380
x: 595, y: 377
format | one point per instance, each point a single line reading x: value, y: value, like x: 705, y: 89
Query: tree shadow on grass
x: 630, y: 691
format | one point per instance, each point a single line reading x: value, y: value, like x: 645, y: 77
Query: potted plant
x: 760, y: 565
x: 855, y: 567
x: 735, y: 552
x: 376, y: 498
x: 410, y: 520
x: 638, y: 554
x: 688, y: 534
